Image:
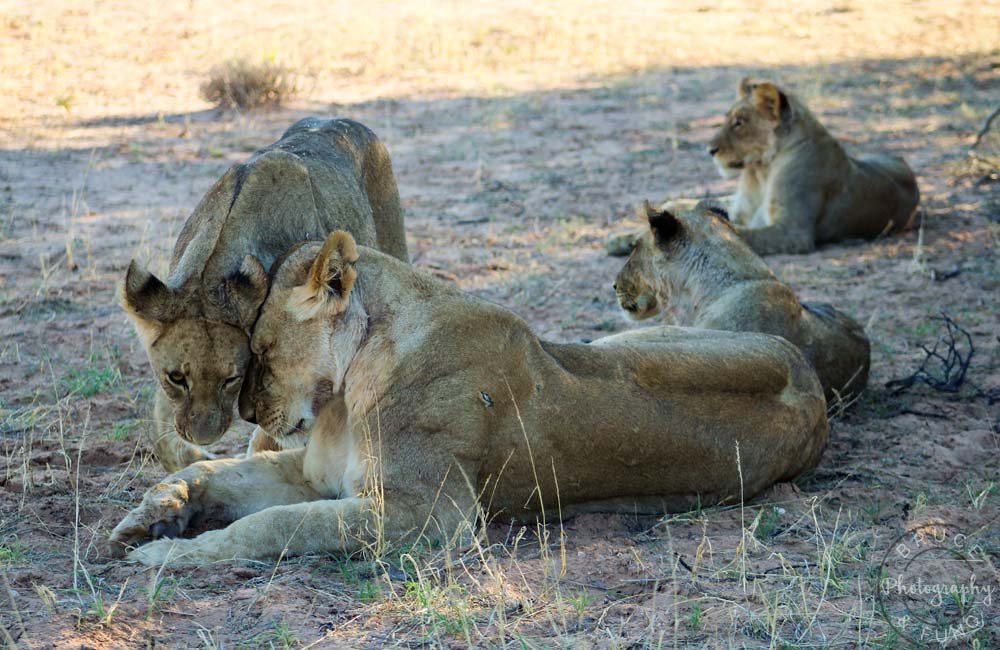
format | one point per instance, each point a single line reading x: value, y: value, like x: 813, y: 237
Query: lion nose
x: 615, y: 286
x: 247, y: 408
x: 205, y: 427
x: 712, y: 151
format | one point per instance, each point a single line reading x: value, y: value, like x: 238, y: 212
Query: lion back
x: 322, y: 175
x: 837, y: 344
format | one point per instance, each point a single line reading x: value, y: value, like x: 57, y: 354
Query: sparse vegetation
x: 246, y: 85
x: 121, y: 430
x: 65, y: 102
x: 12, y: 552
x: 284, y: 636
x: 90, y: 381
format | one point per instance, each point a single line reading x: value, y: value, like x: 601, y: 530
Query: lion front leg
x: 261, y: 441
x: 223, y: 490
x: 790, y: 213
x: 171, y: 450
x: 741, y: 210
x: 333, y: 526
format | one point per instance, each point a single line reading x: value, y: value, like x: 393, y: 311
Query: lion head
x: 307, y: 333
x: 634, y: 286
x: 198, y: 358
x: 749, y: 134
x: 683, y: 249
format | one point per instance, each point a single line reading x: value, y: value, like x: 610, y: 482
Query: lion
x: 692, y: 267
x: 797, y: 186
x: 322, y: 175
x: 449, y: 410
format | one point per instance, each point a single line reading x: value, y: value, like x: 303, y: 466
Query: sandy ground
x: 510, y: 192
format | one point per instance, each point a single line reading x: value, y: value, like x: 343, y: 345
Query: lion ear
x: 745, y: 88
x: 246, y: 290
x: 769, y: 101
x: 331, y: 279
x: 663, y: 224
x: 148, y: 302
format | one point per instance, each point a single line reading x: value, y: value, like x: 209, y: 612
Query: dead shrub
x: 245, y: 85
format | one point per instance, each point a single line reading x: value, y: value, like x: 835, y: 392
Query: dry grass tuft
x: 244, y: 85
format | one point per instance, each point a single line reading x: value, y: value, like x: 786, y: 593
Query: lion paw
x: 164, y: 512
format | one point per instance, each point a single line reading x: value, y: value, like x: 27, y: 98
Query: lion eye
x: 177, y: 378
x: 233, y: 381
x: 737, y: 122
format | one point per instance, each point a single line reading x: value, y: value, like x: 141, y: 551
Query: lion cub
x: 692, y: 267
x: 797, y: 186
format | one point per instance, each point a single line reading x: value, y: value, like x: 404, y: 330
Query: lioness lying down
x: 449, y: 407
x: 797, y: 185
x: 691, y: 266
x: 322, y: 175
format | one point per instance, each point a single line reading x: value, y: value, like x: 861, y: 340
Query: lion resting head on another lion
x: 322, y: 175
x: 447, y: 408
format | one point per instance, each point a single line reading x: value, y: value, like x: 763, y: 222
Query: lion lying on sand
x: 447, y: 407
x: 692, y: 267
x: 797, y: 186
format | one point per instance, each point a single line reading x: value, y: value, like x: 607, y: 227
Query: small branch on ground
x: 945, y: 365
x: 986, y: 128
x: 904, y: 410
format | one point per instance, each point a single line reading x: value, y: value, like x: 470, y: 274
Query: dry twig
x: 942, y: 369
x: 986, y: 128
